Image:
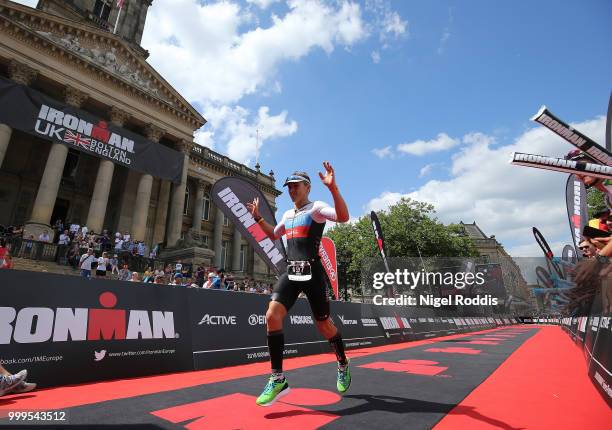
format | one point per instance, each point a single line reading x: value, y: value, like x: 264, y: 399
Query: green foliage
x: 409, y: 228
x: 595, y: 202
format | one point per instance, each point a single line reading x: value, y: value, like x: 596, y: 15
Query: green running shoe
x: 344, y: 378
x: 274, y: 390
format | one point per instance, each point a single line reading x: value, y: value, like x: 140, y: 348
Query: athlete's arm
x: 271, y: 231
x: 329, y: 180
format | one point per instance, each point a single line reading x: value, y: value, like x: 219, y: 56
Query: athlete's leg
x: 316, y: 291
x: 283, y: 298
x: 276, y: 339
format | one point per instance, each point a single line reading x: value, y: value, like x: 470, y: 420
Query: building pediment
x: 98, y: 49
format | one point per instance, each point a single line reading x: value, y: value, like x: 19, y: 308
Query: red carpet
x: 543, y: 385
x: 69, y: 396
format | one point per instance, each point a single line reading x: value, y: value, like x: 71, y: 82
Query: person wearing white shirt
x: 44, y: 236
x: 102, y: 265
x: 85, y: 263
x: 84, y: 230
x: 74, y: 228
x: 64, y: 238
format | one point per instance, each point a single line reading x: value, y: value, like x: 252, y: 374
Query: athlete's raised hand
x: 329, y: 179
x: 254, y: 207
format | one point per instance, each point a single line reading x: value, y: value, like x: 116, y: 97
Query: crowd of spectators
x: 109, y: 256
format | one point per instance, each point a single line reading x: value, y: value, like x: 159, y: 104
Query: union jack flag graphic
x: 77, y: 139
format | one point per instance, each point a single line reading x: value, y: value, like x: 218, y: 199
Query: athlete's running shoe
x: 8, y: 382
x: 274, y: 390
x: 23, y: 387
x: 344, y: 378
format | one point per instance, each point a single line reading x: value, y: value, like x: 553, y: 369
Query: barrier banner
x: 327, y: 252
x: 229, y: 328
x: 231, y: 195
x: 66, y: 330
x: 358, y: 323
x: 596, y: 152
x: 577, y: 214
x: 600, y: 368
x: 37, y: 114
x: 562, y: 165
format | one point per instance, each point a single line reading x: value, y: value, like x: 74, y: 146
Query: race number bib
x: 299, y: 271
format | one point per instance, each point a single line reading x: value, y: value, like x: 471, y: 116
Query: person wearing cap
x: 303, y: 227
x: 210, y: 280
x: 600, y: 220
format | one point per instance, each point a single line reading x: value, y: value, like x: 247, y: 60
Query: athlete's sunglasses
x: 296, y: 178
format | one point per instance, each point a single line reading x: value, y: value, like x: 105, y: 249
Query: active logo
x: 37, y: 324
x: 301, y: 319
x: 218, y: 320
x: 255, y: 319
x: 99, y: 356
x: 347, y: 321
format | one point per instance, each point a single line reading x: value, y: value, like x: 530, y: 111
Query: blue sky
x: 374, y: 86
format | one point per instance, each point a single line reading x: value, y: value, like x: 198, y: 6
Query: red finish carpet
x: 519, y: 377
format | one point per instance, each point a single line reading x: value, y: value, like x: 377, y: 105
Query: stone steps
x: 43, y: 266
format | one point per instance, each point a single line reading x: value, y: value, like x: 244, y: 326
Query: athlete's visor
x: 296, y: 178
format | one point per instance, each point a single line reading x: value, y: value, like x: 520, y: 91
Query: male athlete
x: 303, y: 227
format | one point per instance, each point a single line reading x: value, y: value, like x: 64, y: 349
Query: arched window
x: 102, y: 9
x: 206, y: 207
x: 224, y: 246
x: 186, y: 204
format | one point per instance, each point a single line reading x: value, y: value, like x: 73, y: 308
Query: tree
x: 595, y: 201
x: 410, y: 230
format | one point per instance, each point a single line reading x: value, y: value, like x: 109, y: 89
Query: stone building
x: 70, y: 51
x: 492, y: 252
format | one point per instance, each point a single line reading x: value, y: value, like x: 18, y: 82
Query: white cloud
x: 393, y: 24
x: 215, y: 53
x: 442, y: 142
x: 215, y: 62
x: 239, y: 128
x: 385, y: 21
x: 386, y: 152
x: 263, y: 4
x: 205, y: 138
x: 446, y: 34
x: 427, y: 169
x: 504, y: 200
x: 375, y: 57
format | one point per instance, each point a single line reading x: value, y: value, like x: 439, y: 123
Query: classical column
x: 236, y: 244
x: 197, y: 209
x: 104, y: 179
x: 52, y: 176
x: 24, y: 75
x: 5, y: 138
x: 175, y: 223
x: 161, y: 213
x: 143, y: 195
x: 218, y: 236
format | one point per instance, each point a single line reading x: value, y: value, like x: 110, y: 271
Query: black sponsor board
x: 358, y: 324
x: 38, y: 114
x: 597, y: 346
x: 66, y: 330
x: 230, y: 328
x: 600, y: 364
